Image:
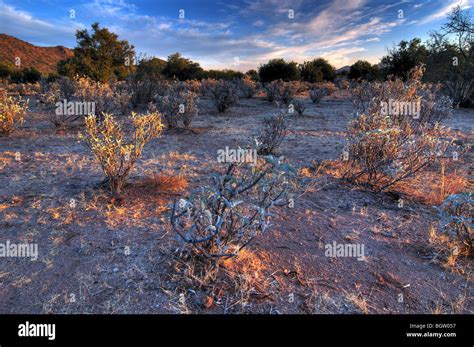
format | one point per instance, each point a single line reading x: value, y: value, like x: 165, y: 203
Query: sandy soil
x: 84, y: 265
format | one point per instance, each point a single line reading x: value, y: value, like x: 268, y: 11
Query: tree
x: 451, y: 57
x: 277, y: 69
x: 182, y: 68
x: 363, y: 70
x: 310, y: 72
x: 309, y: 69
x: 253, y: 74
x: 99, y: 55
x: 151, y: 67
x: 404, y: 57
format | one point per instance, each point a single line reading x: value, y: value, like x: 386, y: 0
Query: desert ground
x: 103, y: 255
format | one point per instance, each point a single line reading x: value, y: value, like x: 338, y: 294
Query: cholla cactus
x: 12, y: 112
x: 271, y: 134
x: 298, y: 105
x: 224, y: 94
x: 178, y: 105
x: 317, y: 94
x: 218, y: 221
x: 116, y: 153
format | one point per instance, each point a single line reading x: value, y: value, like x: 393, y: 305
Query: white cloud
x: 465, y: 4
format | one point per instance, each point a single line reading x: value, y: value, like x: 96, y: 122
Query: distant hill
x: 44, y: 59
x: 343, y: 69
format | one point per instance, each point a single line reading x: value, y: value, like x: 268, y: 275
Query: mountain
x: 44, y: 59
x: 343, y: 69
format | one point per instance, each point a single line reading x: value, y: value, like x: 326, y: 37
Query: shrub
x: 299, y: 106
x: 456, y: 237
x: 224, y: 95
x: 115, y: 153
x: 247, y: 87
x: 384, y: 149
x: 317, y: 94
x: 12, y: 112
x: 220, y: 220
x: 101, y: 96
x: 273, y: 90
x: 206, y: 86
x: 271, y: 134
x: 144, y: 89
x: 288, y: 91
x: 178, y: 105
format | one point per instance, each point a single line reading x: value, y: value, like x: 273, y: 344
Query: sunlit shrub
x: 12, y: 112
x: 116, y: 152
x: 383, y: 149
x: 247, y: 87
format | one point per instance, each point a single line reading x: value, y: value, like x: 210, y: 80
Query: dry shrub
x: 271, y: 134
x: 115, y: 152
x: 317, y: 94
x: 247, y: 87
x: 383, y: 149
x: 456, y: 237
x: 193, y: 86
x: 298, y: 105
x: 224, y: 94
x: 206, y: 86
x: 144, y: 89
x: 178, y: 105
x: 218, y: 221
x: 104, y: 98
x: 273, y: 90
x: 12, y: 112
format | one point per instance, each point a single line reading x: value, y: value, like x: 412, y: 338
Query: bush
x: 273, y: 90
x: 299, y: 106
x: 277, y: 69
x: 247, y: 87
x: 178, y: 105
x: 457, y: 213
x: 271, y: 134
x: 288, y: 91
x: 144, y: 89
x: 224, y: 95
x: 12, y: 112
x: 82, y: 90
x: 220, y: 220
x: 384, y: 149
x: 317, y: 94
x: 206, y: 86
x: 115, y: 153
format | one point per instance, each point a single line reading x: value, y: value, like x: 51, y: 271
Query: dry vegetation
x: 189, y: 234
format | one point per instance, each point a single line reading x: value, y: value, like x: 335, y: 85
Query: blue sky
x: 216, y: 32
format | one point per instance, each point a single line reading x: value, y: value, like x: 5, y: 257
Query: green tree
x: 277, y: 69
x: 99, y: 55
x: 310, y: 72
x: 363, y: 70
x: 182, y: 68
x: 404, y: 57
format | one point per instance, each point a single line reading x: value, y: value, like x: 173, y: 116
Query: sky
x: 235, y: 34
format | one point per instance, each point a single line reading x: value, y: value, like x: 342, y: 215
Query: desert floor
x: 84, y: 265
